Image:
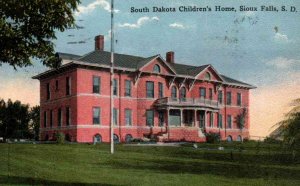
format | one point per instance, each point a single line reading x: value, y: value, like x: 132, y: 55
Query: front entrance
x: 202, y: 119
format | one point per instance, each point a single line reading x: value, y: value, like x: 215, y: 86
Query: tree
x: 290, y: 127
x: 241, y: 118
x: 27, y: 29
x: 34, y: 115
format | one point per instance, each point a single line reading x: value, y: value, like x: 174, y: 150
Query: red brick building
x: 153, y: 97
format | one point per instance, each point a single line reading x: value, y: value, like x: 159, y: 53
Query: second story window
x: 96, y: 84
x: 239, y: 99
x: 96, y: 115
x: 183, y: 94
x: 228, y: 98
x: 202, y: 92
x: 210, y: 94
x: 174, y: 92
x: 127, y: 88
x: 150, y: 89
x: 156, y: 68
x: 220, y: 96
x: 59, y: 117
x: 48, y: 91
x: 115, y: 87
x: 68, y: 86
x: 160, y: 90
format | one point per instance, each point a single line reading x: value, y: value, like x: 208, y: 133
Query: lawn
x: 250, y: 163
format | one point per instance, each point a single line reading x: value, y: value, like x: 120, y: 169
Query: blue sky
x: 260, y: 48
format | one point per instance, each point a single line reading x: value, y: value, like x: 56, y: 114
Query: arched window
x: 229, y: 138
x: 183, y: 93
x: 207, y: 76
x: 116, y: 138
x: 174, y: 92
x: 97, y: 138
x: 156, y: 68
x: 128, y: 138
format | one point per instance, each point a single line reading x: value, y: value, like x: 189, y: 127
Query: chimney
x: 99, y: 42
x: 170, y: 57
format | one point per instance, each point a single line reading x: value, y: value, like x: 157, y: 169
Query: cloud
x: 281, y: 37
x: 283, y: 63
x: 177, y: 25
x: 269, y: 104
x: 141, y: 21
x: 92, y: 6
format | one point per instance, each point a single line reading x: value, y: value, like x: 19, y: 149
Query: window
x: 156, y: 69
x: 183, y: 94
x: 45, y: 119
x: 56, y: 85
x: 115, y: 87
x: 202, y: 92
x: 229, y: 121
x: 127, y: 88
x: 97, y: 138
x: 149, y: 118
x: 68, y: 116
x: 160, y: 90
x: 161, y: 118
x: 210, y: 93
x: 150, y: 89
x: 68, y: 86
x: 239, y: 99
x: 220, y: 96
x: 211, y: 119
x: 96, y: 84
x: 128, y: 117
x: 51, y: 118
x: 228, y: 98
x: 59, y: 117
x: 220, y: 123
x: 115, y: 116
x: 48, y: 91
x: 207, y: 76
x: 174, y: 92
x: 96, y: 115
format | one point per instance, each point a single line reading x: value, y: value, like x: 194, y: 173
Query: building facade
x: 153, y: 97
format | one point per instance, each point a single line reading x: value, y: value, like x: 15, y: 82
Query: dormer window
x: 156, y: 69
x: 207, y: 76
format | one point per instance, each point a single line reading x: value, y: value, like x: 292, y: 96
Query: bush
x: 212, y: 137
x: 272, y: 140
x: 60, y: 138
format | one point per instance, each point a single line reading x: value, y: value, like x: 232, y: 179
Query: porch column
x: 195, y: 119
x: 181, y: 118
x: 205, y: 119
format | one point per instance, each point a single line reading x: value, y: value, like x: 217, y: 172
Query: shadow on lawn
x: 16, y: 180
x: 231, y: 170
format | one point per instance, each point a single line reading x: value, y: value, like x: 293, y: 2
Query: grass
x: 81, y: 164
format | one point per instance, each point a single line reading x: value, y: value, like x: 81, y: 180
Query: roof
x: 102, y: 58
x: 67, y: 56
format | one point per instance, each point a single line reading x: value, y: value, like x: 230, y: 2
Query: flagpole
x: 112, y: 79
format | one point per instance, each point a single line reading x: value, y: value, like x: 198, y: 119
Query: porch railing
x: 187, y: 102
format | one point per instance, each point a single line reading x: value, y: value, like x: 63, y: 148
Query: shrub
x: 272, y: 140
x: 60, y: 138
x: 212, y: 137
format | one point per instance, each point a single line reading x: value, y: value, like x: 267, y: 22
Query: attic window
x: 207, y: 76
x: 156, y: 69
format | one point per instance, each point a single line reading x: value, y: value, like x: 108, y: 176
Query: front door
x: 202, y: 120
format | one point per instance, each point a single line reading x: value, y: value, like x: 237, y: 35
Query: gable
x: 214, y: 75
x: 164, y: 68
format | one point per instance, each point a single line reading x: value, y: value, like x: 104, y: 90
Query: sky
x: 258, y: 47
